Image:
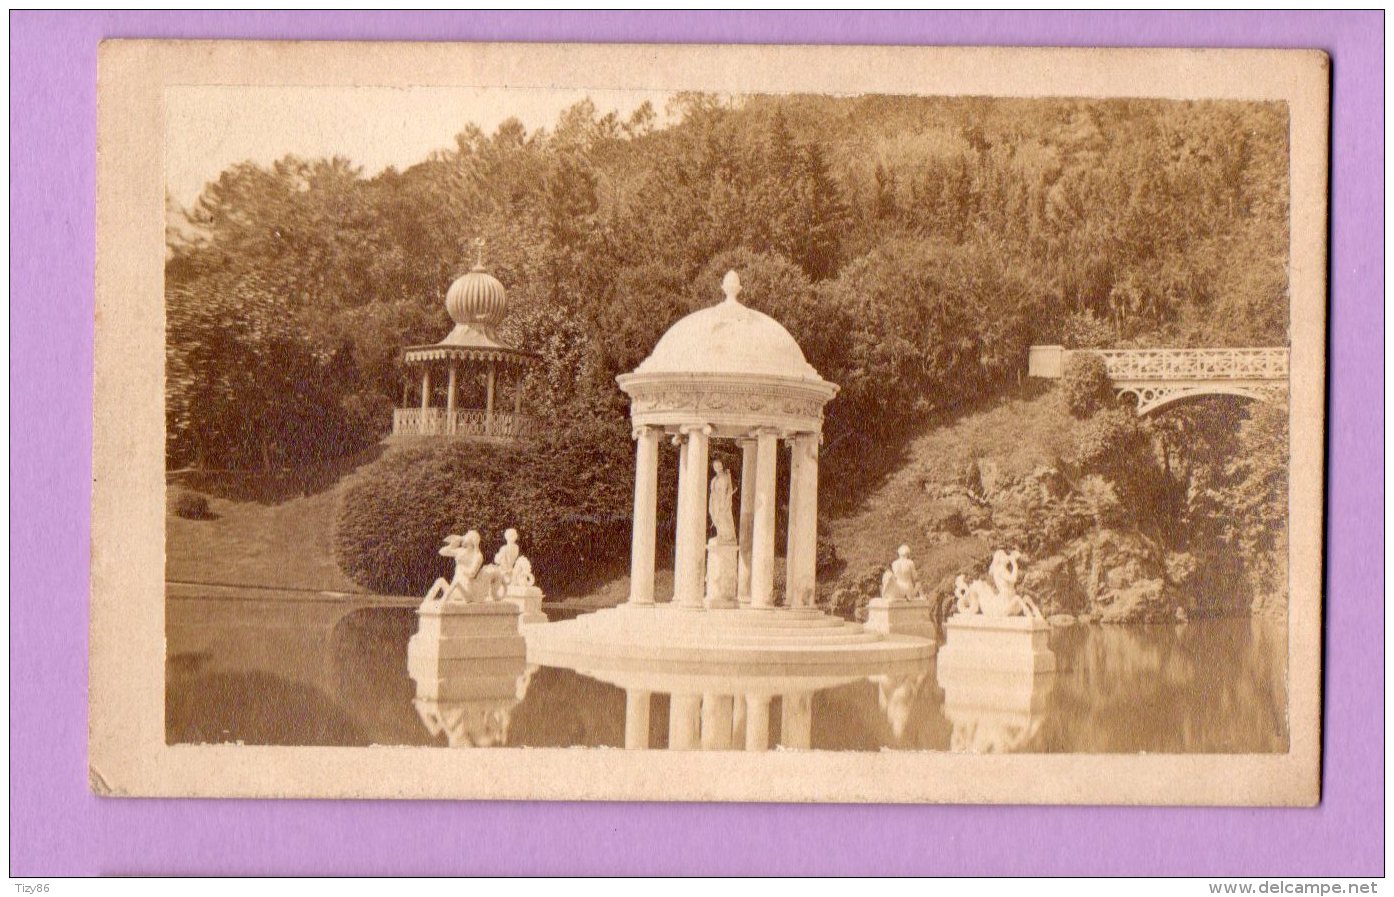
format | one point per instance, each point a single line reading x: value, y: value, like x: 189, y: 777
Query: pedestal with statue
x: 901, y: 607
x: 467, y: 619
x: 994, y: 627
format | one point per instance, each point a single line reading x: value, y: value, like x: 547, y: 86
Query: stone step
x: 851, y: 636
x: 742, y: 618
x: 715, y: 629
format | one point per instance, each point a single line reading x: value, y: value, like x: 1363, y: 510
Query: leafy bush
x: 569, y: 493
x: 1086, y: 383
x: 1085, y: 330
x: 191, y: 506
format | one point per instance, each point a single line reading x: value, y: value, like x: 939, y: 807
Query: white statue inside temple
x: 719, y: 505
x: 1000, y: 598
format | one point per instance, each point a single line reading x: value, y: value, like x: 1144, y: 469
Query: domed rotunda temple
x: 463, y: 375
x: 725, y: 372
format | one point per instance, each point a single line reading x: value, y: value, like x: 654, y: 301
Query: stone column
x: 680, y: 548
x: 757, y: 722
x: 641, y: 551
x: 425, y: 393
x: 747, y: 519
x: 716, y: 722
x: 801, y: 557
x: 450, y: 402
x: 796, y: 720
x: 762, y: 534
x: 636, y: 719
x: 684, y: 722
x: 518, y: 375
x: 689, y: 563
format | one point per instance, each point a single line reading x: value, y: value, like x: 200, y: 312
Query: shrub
x: 569, y: 495
x: 1085, y: 383
x: 191, y: 506
x: 1084, y: 330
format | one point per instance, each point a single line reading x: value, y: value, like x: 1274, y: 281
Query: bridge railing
x: 1267, y: 363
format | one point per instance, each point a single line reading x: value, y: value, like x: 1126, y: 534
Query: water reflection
x: 472, y: 705
x: 994, y: 712
x: 281, y: 672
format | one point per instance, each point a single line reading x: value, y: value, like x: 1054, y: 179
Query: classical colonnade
x: 756, y: 535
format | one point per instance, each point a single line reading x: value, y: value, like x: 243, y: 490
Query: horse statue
x: 1001, y: 598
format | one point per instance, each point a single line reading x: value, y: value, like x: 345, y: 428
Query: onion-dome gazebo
x: 471, y: 360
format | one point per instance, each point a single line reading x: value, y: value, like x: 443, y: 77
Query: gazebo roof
x: 477, y: 303
x: 469, y: 342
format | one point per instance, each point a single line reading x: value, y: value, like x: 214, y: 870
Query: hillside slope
x: 1011, y: 438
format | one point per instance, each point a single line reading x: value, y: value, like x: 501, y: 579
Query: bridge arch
x: 1153, y: 398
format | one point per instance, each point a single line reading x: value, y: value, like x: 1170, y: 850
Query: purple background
x: 58, y: 827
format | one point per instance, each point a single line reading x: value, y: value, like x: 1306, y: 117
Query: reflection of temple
x: 994, y: 711
x: 748, y: 707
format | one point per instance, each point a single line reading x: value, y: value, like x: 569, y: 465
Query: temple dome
x: 728, y: 338
x: 477, y: 298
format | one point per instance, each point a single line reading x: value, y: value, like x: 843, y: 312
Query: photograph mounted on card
x: 687, y: 422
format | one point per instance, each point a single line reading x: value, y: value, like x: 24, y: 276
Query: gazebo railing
x: 466, y: 423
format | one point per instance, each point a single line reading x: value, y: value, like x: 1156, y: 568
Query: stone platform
x: 786, y: 639
x: 1005, y: 644
x: 901, y: 617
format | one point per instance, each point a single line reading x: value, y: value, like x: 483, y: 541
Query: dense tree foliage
x: 914, y: 246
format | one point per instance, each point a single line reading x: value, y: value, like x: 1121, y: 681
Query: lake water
x: 302, y: 673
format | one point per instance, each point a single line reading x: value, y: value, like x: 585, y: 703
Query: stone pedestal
x: 455, y: 642
x: 1000, y: 644
x: 528, y: 600
x: 722, y: 562
x: 900, y: 616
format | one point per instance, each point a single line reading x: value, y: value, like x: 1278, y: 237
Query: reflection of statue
x: 896, y: 695
x: 1001, y: 601
x: 507, y: 554
x: 472, y: 581
x: 719, y: 504
x: 467, y: 723
x: 901, y: 581
x: 993, y: 734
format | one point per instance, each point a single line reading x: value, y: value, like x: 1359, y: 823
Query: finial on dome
x: 731, y: 285
x: 478, y: 254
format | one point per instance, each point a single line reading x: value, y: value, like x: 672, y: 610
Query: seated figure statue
x: 902, y: 581
x: 522, y: 577
x: 507, y: 555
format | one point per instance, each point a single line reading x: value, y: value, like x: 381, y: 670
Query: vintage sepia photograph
x: 862, y: 424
